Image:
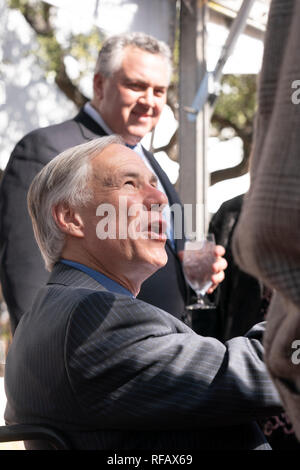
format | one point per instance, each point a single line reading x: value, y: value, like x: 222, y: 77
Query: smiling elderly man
x: 109, y: 370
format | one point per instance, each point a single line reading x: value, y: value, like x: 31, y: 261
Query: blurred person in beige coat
x: 266, y: 241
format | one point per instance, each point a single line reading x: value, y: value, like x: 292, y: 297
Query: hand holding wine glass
x: 198, y: 259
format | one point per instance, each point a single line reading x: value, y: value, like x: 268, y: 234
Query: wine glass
x: 198, y: 258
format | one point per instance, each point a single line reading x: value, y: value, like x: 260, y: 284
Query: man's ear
x: 68, y: 220
x: 98, y: 86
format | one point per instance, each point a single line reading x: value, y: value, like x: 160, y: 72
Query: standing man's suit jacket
x: 113, y: 372
x: 22, y: 268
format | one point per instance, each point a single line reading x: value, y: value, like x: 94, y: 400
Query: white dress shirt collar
x: 95, y: 115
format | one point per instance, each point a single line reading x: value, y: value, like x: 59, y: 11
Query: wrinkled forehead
x: 117, y: 160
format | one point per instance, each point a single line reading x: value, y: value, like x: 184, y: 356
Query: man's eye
x: 135, y: 86
x: 130, y: 183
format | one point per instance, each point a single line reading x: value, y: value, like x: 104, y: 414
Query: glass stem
x: 200, y: 298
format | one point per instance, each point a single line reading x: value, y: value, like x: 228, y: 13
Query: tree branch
x: 223, y: 122
x: 169, y: 148
x: 68, y: 88
x: 232, y: 172
x: 39, y: 20
x: 245, y: 135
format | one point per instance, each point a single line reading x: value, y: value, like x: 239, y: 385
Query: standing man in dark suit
x: 92, y: 360
x: 131, y: 80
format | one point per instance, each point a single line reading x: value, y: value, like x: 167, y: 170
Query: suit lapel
x: 89, y: 128
x: 170, y: 191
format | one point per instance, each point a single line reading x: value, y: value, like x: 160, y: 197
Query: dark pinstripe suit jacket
x: 22, y: 270
x: 116, y: 373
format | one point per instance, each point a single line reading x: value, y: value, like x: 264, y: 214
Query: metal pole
x: 212, y: 78
x: 236, y: 29
x: 192, y: 135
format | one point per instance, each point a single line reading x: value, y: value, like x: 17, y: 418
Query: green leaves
x: 51, y: 52
x: 237, y: 101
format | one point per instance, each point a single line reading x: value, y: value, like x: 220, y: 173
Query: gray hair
x: 65, y: 179
x: 111, y: 54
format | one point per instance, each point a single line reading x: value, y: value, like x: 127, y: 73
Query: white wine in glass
x: 198, y: 258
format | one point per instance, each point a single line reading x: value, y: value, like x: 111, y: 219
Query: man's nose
x: 147, y: 97
x: 154, y: 197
